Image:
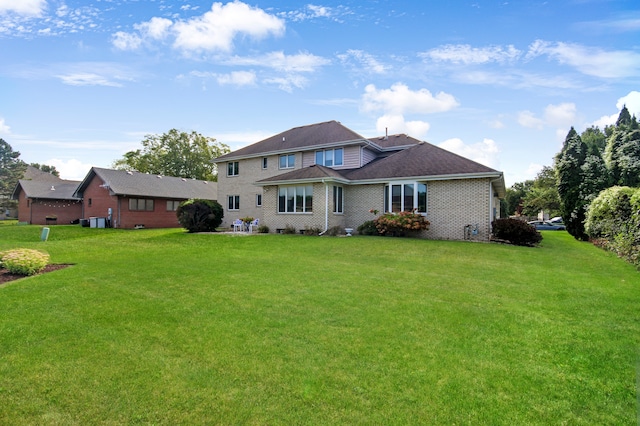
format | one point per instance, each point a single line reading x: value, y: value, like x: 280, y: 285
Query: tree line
x: 587, y: 164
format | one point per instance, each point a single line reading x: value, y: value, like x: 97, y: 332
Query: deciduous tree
x: 175, y: 153
x: 11, y: 169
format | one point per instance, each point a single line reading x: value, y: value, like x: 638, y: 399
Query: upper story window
x: 330, y: 157
x: 233, y: 168
x: 406, y: 196
x: 264, y: 162
x: 287, y: 161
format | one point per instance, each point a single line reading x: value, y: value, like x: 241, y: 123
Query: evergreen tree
x: 594, y: 138
x: 595, y: 177
x: 569, y: 164
x: 624, y: 118
x: 629, y: 159
x: 47, y: 169
x: 11, y: 169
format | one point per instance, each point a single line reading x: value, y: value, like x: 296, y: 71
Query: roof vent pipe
x: 386, y: 133
x: 283, y: 139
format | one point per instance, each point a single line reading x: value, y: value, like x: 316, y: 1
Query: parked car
x: 556, y: 220
x: 545, y: 225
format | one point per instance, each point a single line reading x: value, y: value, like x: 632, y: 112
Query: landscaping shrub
x: 516, y: 232
x: 613, y: 220
x: 314, y: 230
x: 398, y: 224
x: 24, y: 261
x: 263, y: 229
x: 368, y: 228
x: 198, y: 215
x: 289, y: 230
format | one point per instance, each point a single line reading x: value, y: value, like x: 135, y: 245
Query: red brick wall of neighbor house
x: 97, y: 200
x: 35, y: 212
x: 158, y: 218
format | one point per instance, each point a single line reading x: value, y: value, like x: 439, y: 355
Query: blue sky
x: 500, y: 82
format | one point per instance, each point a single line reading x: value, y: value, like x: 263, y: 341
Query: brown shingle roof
x: 318, y: 134
x: 314, y: 172
x: 419, y: 160
x: 121, y: 182
x: 57, y: 189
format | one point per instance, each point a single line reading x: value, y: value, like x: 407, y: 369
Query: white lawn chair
x: 253, y: 224
x: 238, y: 225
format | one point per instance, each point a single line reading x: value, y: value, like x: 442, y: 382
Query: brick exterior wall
x: 98, y: 200
x: 35, y: 212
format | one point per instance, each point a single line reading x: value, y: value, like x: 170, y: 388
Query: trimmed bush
x: 200, y: 215
x: 368, y: 228
x: 289, y: 229
x: 263, y: 229
x: 516, y: 232
x: 613, y: 220
x: 398, y: 224
x: 24, y: 261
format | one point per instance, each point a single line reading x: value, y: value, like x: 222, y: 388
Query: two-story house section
x: 325, y: 175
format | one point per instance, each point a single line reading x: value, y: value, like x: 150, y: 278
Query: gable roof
x: 49, y: 189
x: 121, y: 182
x: 312, y: 136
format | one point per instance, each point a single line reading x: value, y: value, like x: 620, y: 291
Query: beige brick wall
x: 250, y: 171
x: 450, y: 206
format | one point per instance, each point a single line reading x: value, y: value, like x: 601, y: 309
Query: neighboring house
x: 133, y: 199
x: 325, y: 175
x: 45, y: 199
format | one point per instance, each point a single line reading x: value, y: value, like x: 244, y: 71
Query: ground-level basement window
x: 141, y: 204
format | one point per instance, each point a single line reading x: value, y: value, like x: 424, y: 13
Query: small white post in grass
x: 44, y: 236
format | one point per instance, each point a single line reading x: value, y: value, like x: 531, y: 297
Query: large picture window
x: 295, y: 199
x: 172, y: 205
x: 406, y: 196
x: 287, y: 161
x: 338, y: 200
x: 141, y: 204
x: 330, y: 157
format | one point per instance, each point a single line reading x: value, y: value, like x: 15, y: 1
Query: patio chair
x: 238, y: 225
x: 253, y: 224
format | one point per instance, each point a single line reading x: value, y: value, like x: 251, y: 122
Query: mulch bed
x: 6, y: 277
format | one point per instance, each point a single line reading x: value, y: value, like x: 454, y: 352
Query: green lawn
x: 165, y: 327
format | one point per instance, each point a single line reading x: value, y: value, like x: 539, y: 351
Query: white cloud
x: 467, y: 55
x: 529, y: 119
x: 589, y: 60
x: 4, y: 129
x: 485, y: 152
x: 365, y: 62
x: 70, y: 169
x: 237, y: 78
x: 311, y: 11
x: 496, y: 124
x: 126, y: 41
x: 399, y: 99
x: 288, y: 82
x: 632, y: 101
x: 217, y: 29
x: 301, y: 62
x: 87, y: 79
x: 560, y: 115
x: 395, y: 124
x: 23, y: 7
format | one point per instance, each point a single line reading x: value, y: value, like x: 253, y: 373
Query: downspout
x: 326, y: 207
x: 491, y: 203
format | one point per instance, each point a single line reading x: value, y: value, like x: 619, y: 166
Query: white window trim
x: 287, y: 166
x: 236, y: 169
x: 324, y: 157
x: 304, y: 198
x: 236, y: 206
x: 388, y: 202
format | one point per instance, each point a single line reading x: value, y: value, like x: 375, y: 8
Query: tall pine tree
x: 11, y: 169
x: 569, y: 164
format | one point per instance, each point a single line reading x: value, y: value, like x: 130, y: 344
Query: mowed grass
x: 166, y: 327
